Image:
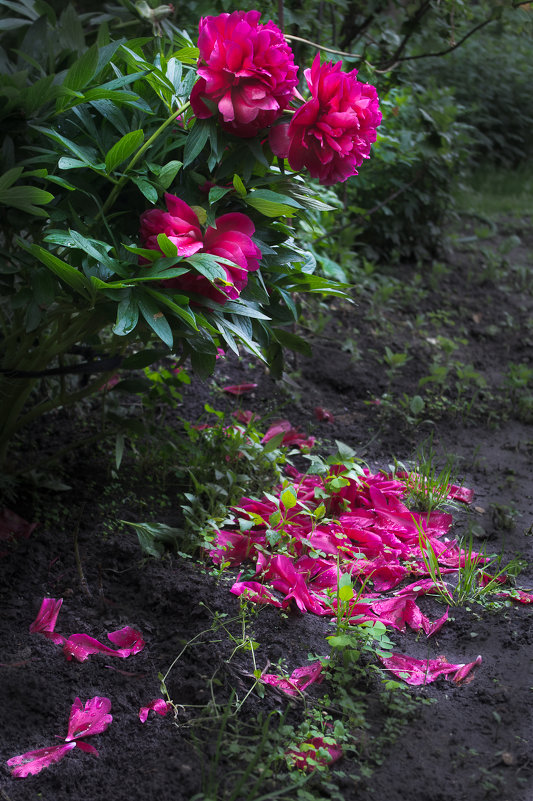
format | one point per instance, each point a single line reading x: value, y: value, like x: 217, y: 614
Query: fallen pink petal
x: 298, y: 681
x: 158, y: 705
x: 239, y: 389
x: 324, y: 415
x: 46, y: 620
x: 33, y: 762
x: 425, y: 671
x: 93, y: 718
x: 82, y: 646
x: 84, y: 721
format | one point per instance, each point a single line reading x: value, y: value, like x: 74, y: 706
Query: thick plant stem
x: 142, y: 150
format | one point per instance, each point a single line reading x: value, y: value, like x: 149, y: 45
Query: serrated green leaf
x: 123, y: 149
x: 209, y: 266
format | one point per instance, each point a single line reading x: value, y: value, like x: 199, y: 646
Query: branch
x: 322, y: 47
x: 393, y: 64
x: 413, y: 23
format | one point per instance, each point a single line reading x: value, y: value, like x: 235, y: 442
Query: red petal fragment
x: 87, y: 747
x: 93, y: 718
x: 424, y: 671
x: 522, y: 596
x: 13, y: 526
x: 463, y: 494
x: 81, y: 646
x: 256, y: 592
x: 324, y: 414
x: 158, y: 705
x: 129, y: 640
x: 33, y: 762
x: 239, y: 389
x: 46, y: 620
x: 299, y: 679
x: 309, y: 757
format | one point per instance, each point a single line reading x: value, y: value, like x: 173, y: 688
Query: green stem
x: 118, y: 187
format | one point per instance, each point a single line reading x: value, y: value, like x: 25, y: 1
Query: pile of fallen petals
x: 303, y: 538
x: 371, y: 535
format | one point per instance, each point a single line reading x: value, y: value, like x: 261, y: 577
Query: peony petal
x: 93, y: 718
x: 158, y: 705
x: 239, y: 389
x: 33, y: 762
x: 46, y: 620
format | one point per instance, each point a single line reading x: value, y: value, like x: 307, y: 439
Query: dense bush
x: 491, y: 78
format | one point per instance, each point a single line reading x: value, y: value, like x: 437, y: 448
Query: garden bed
x: 468, y: 741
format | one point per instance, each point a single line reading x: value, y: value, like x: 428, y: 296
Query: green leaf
x: 124, y: 148
x: 288, y: 498
x: 292, y: 341
x: 167, y: 247
x: 64, y: 271
x: 168, y: 173
x: 208, y: 265
x: 9, y: 177
x: 181, y: 311
x: 196, y: 140
x: 218, y: 192
x: 86, y: 154
x: 156, y: 320
x: 25, y: 198
x: 148, y: 189
x: 272, y: 204
x: 82, y: 71
x: 239, y: 186
x: 127, y: 317
x: 345, y: 593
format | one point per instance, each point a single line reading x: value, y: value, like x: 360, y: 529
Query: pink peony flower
x: 331, y: 134
x: 230, y: 239
x: 247, y: 72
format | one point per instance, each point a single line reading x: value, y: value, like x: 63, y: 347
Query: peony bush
x: 150, y: 189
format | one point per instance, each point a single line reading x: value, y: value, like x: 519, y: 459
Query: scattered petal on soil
x: 93, y: 718
x: 424, y: 671
x: 33, y: 762
x: 239, y: 389
x: 299, y: 679
x: 158, y: 705
x: 81, y: 646
x: 46, y: 619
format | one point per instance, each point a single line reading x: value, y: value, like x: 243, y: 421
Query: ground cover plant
x: 312, y: 581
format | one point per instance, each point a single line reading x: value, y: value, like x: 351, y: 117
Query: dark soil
x: 474, y: 742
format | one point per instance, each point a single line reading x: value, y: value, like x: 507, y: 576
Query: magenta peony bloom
x: 331, y: 134
x: 230, y: 239
x: 246, y: 70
